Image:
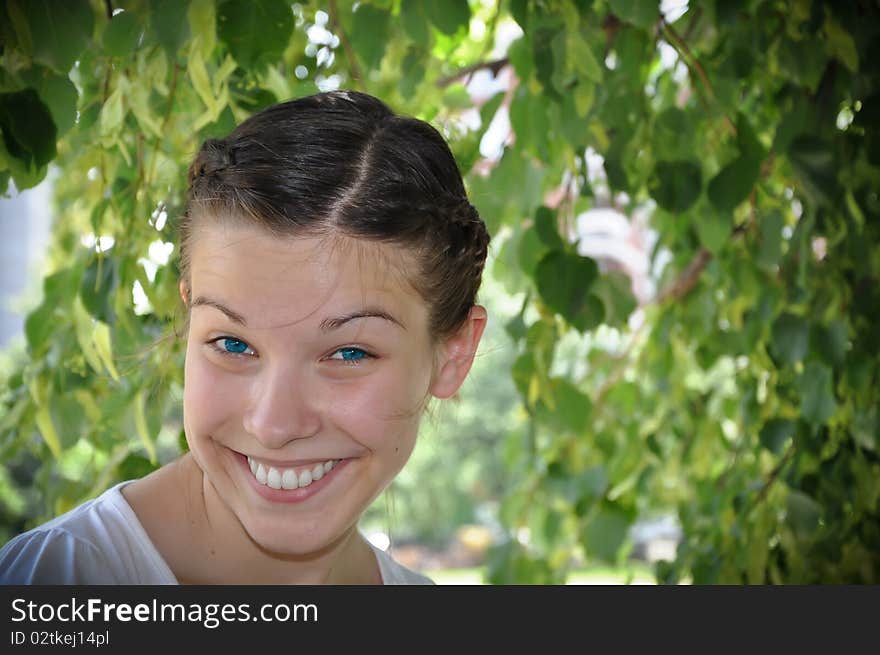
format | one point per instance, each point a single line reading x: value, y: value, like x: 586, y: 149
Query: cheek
x: 209, y: 395
x: 383, y: 411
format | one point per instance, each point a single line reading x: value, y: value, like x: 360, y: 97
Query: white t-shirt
x: 102, y: 542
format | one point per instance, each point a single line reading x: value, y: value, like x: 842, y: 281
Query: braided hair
x: 343, y: 163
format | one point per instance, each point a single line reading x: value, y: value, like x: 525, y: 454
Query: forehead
x: 276, y: 280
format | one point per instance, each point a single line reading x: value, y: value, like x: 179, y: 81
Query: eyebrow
x: 327, y: 325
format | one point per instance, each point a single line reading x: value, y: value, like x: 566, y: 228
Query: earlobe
x: 184, y: 295
x: 458, y: 354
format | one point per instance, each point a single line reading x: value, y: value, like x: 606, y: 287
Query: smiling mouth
x: 289, y: 478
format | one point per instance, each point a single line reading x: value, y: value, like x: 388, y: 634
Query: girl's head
x: 341, y: 164
x: 330, y: 263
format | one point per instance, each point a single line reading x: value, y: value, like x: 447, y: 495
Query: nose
x: 280, y: 410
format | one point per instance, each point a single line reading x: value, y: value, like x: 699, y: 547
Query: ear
x: 184, y: 294
x: 457, y: 354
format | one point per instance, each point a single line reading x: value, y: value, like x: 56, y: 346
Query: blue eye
x: 352, y: 355
x: 234, y: 346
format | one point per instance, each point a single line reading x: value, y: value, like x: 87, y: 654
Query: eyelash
x: 348, y: 362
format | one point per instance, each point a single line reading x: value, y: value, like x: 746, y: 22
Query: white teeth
x: 273, y: 479
x: 288, y: 478
x: 305, y: 478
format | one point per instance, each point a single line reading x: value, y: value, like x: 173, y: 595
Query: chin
x: 292, y: 542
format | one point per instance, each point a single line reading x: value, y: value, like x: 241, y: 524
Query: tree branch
x: 336, y: 27
x: 494, y: 66
x: 695, y: 68
x: 684, y: 283
x: 771, y: 478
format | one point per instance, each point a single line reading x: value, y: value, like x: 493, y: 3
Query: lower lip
x: 289, y: 495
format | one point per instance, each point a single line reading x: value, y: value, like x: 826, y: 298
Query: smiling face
x: 304, y: 362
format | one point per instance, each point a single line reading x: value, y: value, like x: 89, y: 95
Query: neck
x: 238, y: 559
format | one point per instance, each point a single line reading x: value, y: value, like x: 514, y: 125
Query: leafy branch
x: 494, y: 66
x: 696, y: 69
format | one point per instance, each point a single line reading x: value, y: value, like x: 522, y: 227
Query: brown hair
x: 342, y: 163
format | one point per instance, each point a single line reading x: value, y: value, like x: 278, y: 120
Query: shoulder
x: 395, y: 573
x: 64, y: 550
x: 98, y: 542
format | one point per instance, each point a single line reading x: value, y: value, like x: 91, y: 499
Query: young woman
x: 330, y: 263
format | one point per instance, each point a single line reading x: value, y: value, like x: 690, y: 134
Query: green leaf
x: 714, y: 231
x: 592, y: 484
x: 135, y: 466
x: 790, y: 338
x: 522, y: 371
x: 817, y: 395
x: 520, y: 54
x: 803, y: 61
x: 614, y: 289
x: 770, y: 249
x: 20, y: 30
x: 734, y: 182
x: 542, y: 53
x: 581, y: 56
x: 415, y: 21
x: 202, y: 16
x: 60, y: 31
x: 531, y: 250
x: 814, y: 164
x: 614, y: 169
x: 466, y: 151
x: 112, y: 114
x: 122, y: 34
x: 60, y: 95
x: 97, y: 287
x: 47, y: 429
x: 448, y: 15
x: 676, y: 185
x: 673, y: 134
x: 412, y: 72
x: 38, y: 326
x: 170, y: 26
x: 831, y: 341
x: 545, y: 225
x: 605, y: 532
x: 240, y: 21
x: 456, y: 96
x: 641, y: 13
x: 29, y: 132
x: 144, y: 432
x: 57, y: 92
x: 564, y: 283
x: 573, y: 406
x: 841, y: 45
x: 802, y: 513
x: 776, y: 433
x: 104, y: 347
x: 519, y: 9
x: 370, y: 34
x: 563, y: 407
